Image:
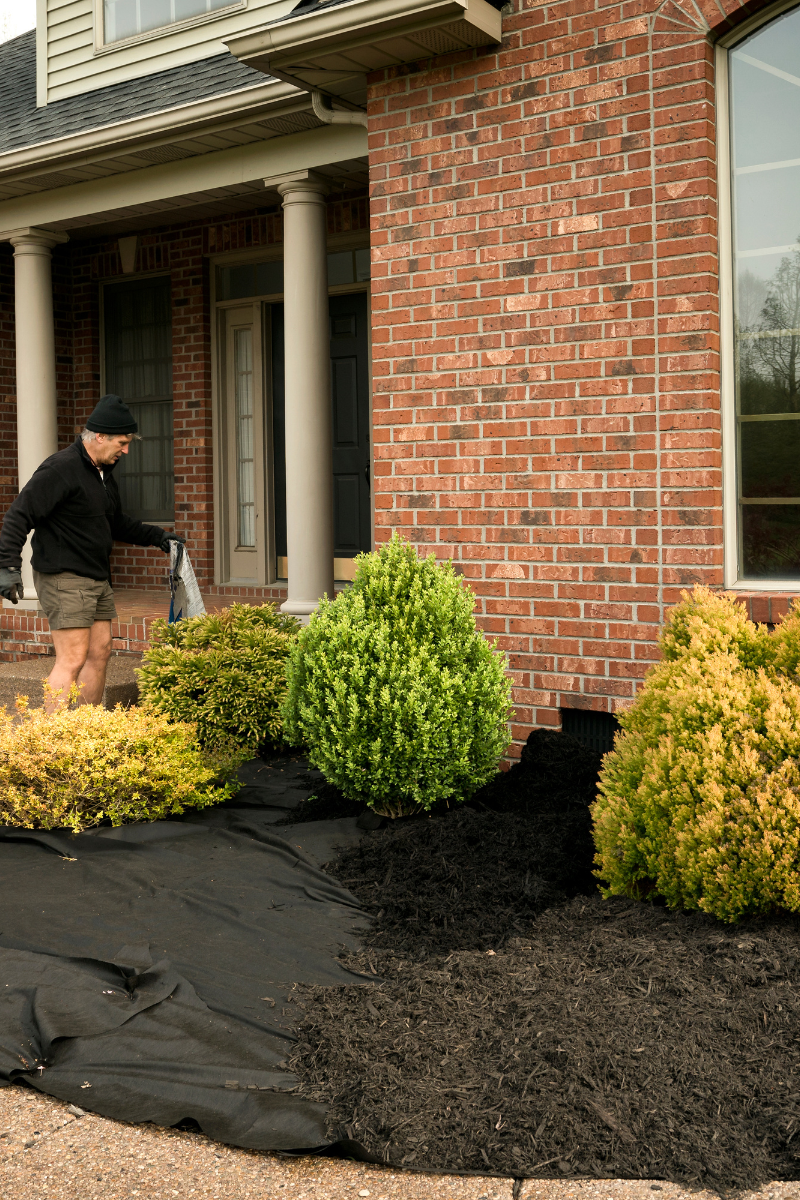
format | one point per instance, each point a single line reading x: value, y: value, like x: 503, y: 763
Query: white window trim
x: 101, y: 46
x: 730, y: 495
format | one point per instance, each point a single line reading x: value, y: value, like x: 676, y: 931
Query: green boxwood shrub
x: 224, y: 671
x: 400, y: 699
x: 700, y: 799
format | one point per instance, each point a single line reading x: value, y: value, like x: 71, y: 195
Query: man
x: 72, y: 503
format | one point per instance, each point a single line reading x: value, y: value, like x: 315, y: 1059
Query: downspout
x: 331, y: 116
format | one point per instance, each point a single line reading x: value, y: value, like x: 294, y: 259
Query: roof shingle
x: 23, y: 124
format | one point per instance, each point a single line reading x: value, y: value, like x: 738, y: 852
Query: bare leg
x: 72, y: 648
x: 92, y: 679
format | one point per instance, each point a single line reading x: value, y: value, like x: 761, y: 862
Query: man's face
x: 108, y: 448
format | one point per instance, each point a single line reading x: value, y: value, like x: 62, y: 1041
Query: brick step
x: 27, y: 678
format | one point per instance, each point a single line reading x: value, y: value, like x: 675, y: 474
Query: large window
x: 127, y: 18
x: 138, y: 360
x: 764, y: 72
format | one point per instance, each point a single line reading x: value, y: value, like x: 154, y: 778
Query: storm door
x: 351, y: 425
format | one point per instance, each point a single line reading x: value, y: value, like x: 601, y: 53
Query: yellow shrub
x: 700, y: 799
x: 81, y: 765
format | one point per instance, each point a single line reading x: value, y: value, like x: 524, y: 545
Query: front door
x: 351, y: 425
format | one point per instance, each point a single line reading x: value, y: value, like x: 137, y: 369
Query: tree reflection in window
x: 765, y: 159
x: 768, y: 386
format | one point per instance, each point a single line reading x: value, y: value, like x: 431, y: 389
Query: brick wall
x: 545, y: 331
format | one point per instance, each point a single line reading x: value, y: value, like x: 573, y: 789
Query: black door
x: 350, y: 400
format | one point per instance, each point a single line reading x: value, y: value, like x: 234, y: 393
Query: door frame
x: 220, y: 452
x: 252, y: 316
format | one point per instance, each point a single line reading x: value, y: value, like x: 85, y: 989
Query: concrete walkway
x: 47, y: 1152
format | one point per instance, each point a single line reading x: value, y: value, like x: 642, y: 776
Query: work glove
x: 171, y: 537
x: 11, y: 584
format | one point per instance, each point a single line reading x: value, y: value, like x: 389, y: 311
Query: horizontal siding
x: 74, y: 68
x: 78, y: 26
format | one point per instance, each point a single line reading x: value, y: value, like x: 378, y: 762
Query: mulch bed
x: 521, y: 1025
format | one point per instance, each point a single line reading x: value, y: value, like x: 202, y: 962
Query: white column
x: 37, y: 429
x: 309, y: 439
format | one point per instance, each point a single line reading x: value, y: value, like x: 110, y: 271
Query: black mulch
x: 522, y: 1025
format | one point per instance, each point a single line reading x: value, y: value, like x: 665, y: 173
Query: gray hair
x: 88, y: 435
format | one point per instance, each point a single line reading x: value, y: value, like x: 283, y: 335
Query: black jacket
x: 76, y: 517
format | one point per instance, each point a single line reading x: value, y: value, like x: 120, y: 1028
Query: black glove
x: 11, y: 584
x: 171, y: 537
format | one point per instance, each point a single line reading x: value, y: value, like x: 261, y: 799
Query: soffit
x: 333, y: 46
x: 137, y: 151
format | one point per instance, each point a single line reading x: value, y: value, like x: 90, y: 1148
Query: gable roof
x: 23, y: 124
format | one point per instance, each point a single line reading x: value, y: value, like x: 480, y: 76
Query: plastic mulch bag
x: 185, y: 598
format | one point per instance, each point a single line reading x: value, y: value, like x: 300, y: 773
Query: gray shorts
x: 74, y: 602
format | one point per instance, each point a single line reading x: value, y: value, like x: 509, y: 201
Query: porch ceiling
x: 333, y: 46
x: 216, y: 202
x: 205, y: 185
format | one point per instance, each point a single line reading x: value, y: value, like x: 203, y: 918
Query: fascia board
x: 345, y: 21
x: 188, y: 176
x: 179, y: 121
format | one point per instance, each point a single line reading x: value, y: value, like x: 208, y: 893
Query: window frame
x: 101, y: 46
x: 730, y: 494
x: 134, y: 277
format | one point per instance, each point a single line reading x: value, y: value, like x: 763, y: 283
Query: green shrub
x: 700, y: 799
x: 81, y: 765
x: 224, y: 672
x: 400, y: 698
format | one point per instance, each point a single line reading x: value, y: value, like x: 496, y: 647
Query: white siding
x: 74, y: 65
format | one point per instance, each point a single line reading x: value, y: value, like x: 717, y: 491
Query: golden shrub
x: 86, y: 764
x: 700, y: 798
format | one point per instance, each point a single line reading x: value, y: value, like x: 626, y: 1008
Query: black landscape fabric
x: 146, y: 971
x: 497, y: 1016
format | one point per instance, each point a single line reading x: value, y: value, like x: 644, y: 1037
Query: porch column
x: 309, y: 438
x: 37, y: 432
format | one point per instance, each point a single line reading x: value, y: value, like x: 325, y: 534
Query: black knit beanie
x: 112, y: 415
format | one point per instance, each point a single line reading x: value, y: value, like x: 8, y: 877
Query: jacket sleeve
x: 43, y: 492
x: 128, y: 529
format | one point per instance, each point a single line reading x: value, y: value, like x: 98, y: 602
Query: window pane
x: 245, y: 464
x: 250, y: 279
x: 126, y: 18
x: 266, y: 278
x: 340, y: 268
x: 269, y: 278
x: 242, y: 282
x: 145, y: 475
x: 362, y: 264
x: 765, y: 143
x: 138, y: 361
x: 770, y: 463
x: 121, y: 19
x: 771, y: 541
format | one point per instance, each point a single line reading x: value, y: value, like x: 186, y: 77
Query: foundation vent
x: 594, y: 730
